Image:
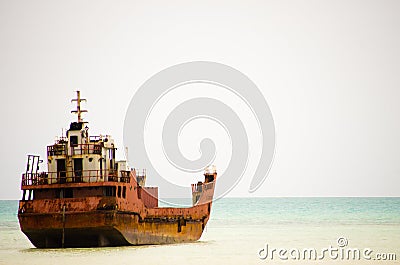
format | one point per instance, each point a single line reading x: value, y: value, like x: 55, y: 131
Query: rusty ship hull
x: 87, y: 198
x: 107, y: 228
x: 133, y: 218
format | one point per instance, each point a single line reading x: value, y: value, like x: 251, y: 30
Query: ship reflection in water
x: 88, y: 199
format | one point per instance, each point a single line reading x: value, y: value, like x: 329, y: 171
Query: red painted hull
x: 110, y: 221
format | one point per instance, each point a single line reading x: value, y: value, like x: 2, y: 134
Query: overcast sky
x: 329, y: 70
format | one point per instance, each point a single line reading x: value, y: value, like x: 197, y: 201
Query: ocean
x: 246, y: 231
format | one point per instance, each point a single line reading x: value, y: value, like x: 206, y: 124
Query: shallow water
x: 237, y: 230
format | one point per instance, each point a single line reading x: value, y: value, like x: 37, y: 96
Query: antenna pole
x: 78, y: 110
x: 78, y: 105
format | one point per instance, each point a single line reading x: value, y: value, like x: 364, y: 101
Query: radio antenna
x: 78, y: 110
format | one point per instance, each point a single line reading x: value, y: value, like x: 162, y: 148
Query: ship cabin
x: 79, y: 166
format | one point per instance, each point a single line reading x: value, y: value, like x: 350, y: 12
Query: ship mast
x: 78, y: 110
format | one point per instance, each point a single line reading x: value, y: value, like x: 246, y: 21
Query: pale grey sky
x: 329, y: 70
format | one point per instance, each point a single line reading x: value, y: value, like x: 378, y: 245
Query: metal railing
x: 78, y: 149
x: 57, y: 150
x: 77, y: 176
x: 199, y: 187
x: 81, y: 149
x: 140, y: 172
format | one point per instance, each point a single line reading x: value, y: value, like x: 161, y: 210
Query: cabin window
x: 119, y: 191
x: 68, y: 193
x: 78, y: 166
x: 109, y: 191
x: 73, y: 140
x: 61, y: 171
x: 124, y: 192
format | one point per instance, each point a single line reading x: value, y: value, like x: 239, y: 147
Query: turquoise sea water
x: 237, y: 230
